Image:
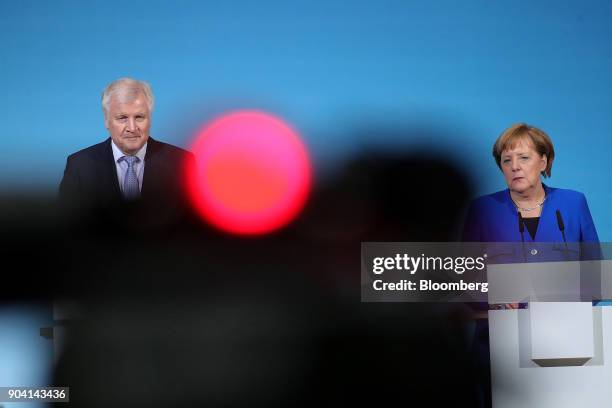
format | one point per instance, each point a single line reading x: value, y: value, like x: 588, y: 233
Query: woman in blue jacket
x: 529, y: 211
x: 551, y: 224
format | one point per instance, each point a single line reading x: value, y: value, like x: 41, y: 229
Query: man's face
x: 128, y: 123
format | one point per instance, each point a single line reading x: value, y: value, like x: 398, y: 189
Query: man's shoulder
x: 158, y: 147
x: 164, y: 152
x: 90, y: 153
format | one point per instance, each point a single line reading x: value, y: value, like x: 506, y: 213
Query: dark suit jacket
x: 90, y: 183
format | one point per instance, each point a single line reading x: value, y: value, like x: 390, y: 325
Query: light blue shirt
x: 122, y: 165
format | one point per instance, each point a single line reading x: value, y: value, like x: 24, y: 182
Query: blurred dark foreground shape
x: 180, y: 315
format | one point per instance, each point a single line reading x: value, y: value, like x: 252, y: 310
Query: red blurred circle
x: 252, y: 173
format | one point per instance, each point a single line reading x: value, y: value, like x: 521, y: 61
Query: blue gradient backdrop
x: 466, y: 69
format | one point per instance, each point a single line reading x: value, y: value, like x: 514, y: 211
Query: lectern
x: 556, y: 352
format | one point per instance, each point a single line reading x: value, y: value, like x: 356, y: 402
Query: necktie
x: 131, y: 190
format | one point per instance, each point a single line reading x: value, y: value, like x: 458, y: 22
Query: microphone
x: 561, y: 226
x: 560, y: 223
x: 521, y: 226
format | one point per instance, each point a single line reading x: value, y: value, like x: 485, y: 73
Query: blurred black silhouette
x: 179, y: 314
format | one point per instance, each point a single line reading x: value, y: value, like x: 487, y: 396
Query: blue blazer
x: 493, y: 218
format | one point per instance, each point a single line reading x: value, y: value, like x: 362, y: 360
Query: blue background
x: 467, y: 69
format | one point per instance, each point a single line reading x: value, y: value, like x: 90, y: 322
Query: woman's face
x: 522, y: 166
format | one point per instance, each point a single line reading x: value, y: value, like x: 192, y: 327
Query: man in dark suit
x: 129, y: 169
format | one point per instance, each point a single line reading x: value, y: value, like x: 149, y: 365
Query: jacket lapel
x: 150, y: 168
x: 109, y: 170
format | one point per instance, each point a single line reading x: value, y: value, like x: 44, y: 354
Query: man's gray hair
x: 127, y: 89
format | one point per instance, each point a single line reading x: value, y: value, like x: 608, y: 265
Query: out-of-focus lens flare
x: 252, y: 175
